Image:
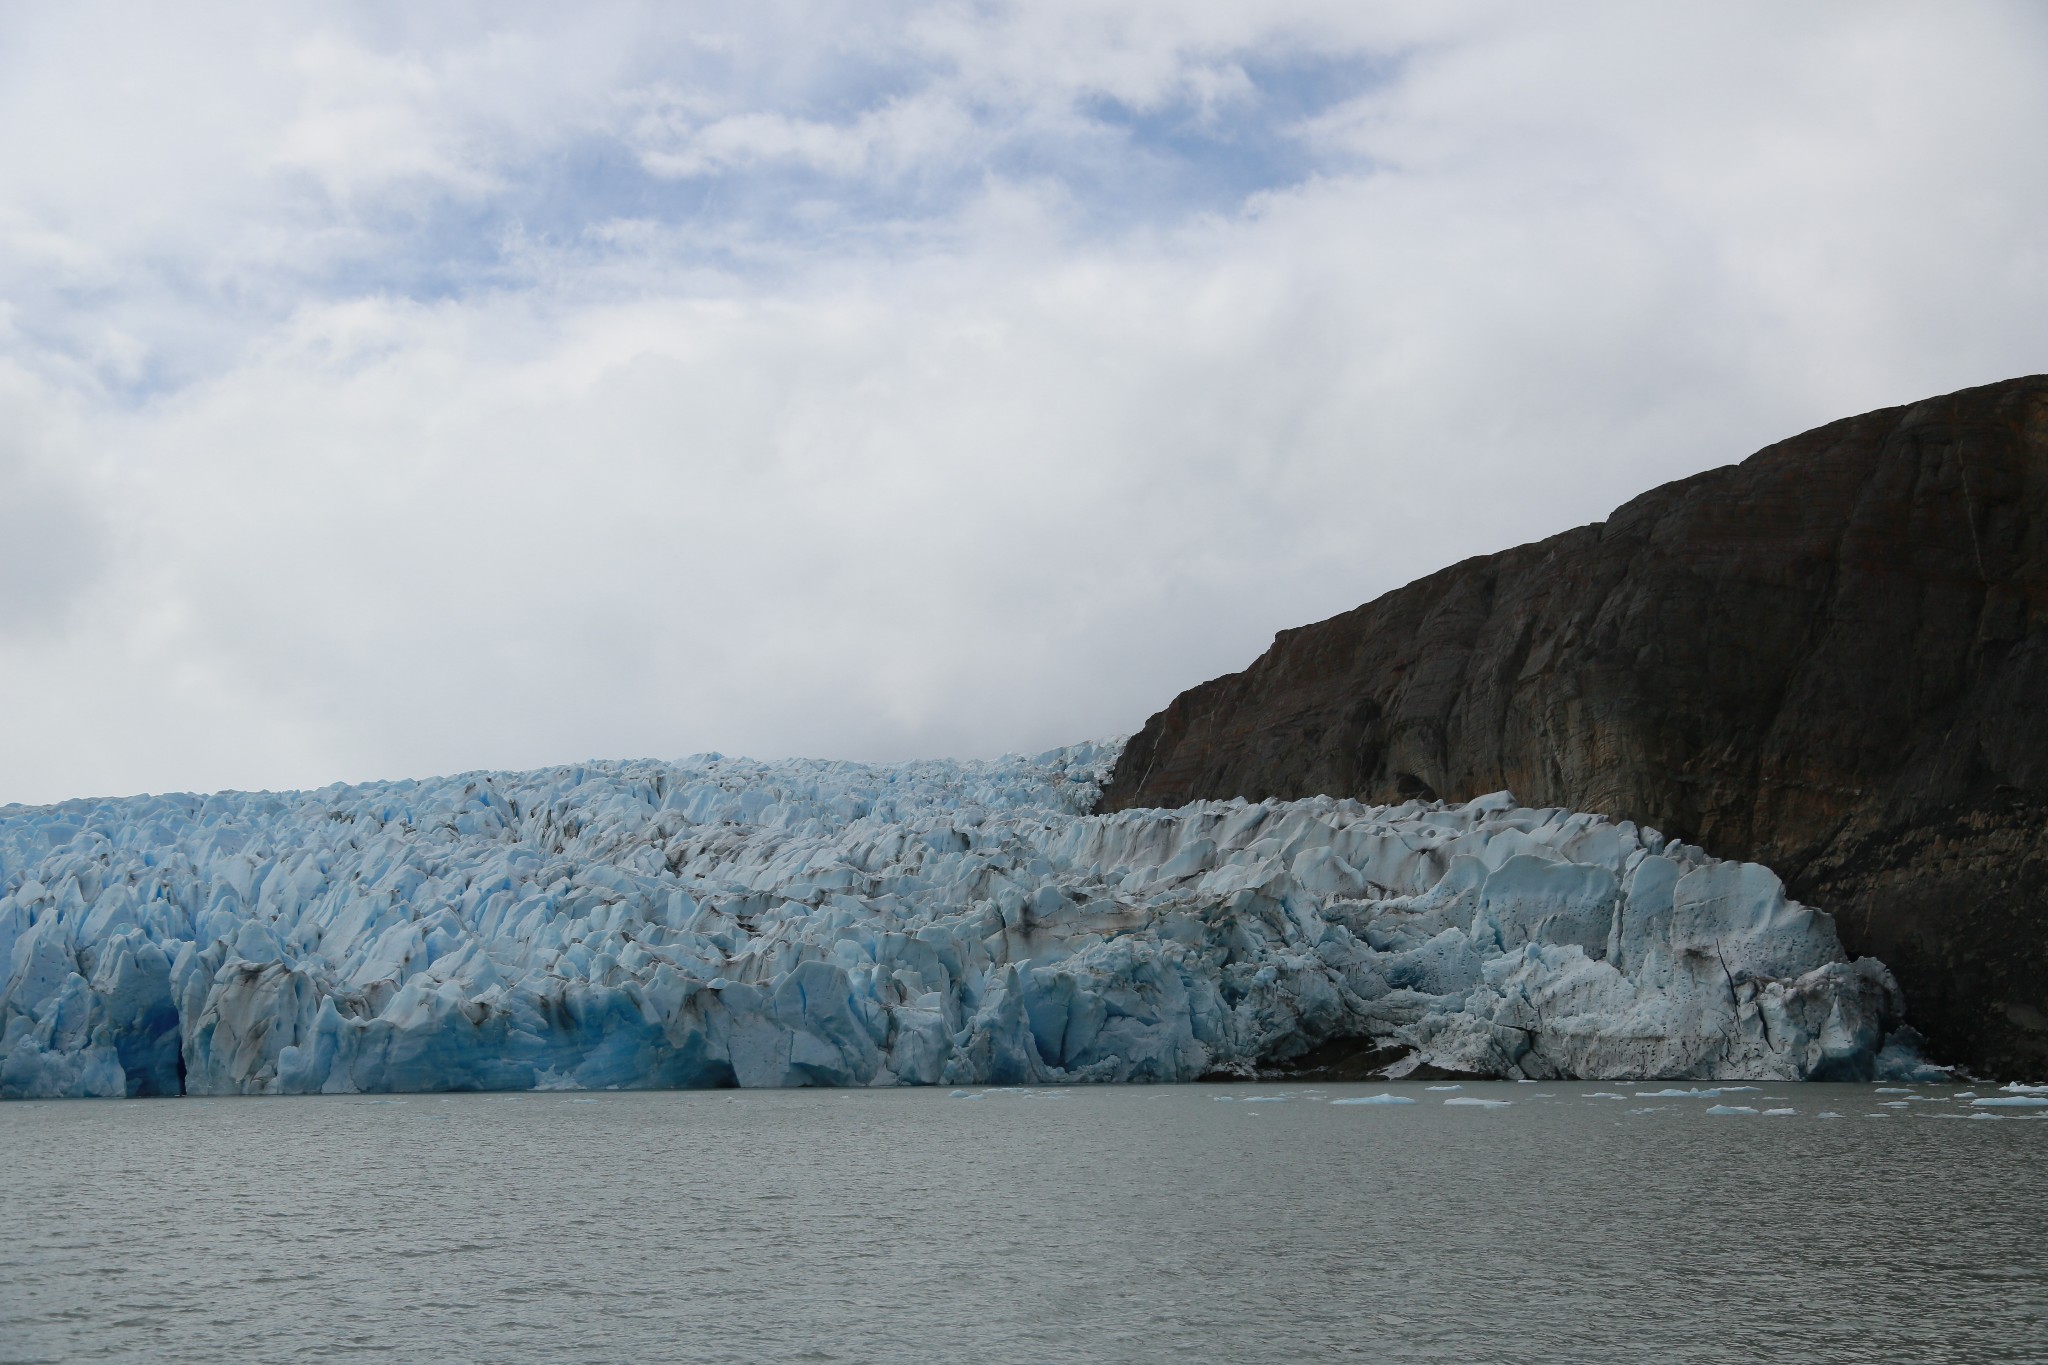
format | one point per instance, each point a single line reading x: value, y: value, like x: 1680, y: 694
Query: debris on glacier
x: 718, y: 922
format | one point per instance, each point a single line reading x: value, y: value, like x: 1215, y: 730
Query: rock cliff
x: 1831, y: 658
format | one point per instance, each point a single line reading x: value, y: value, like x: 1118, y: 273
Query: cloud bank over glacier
x: 397, y: 394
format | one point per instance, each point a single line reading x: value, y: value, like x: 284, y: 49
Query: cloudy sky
x: 456, y: 386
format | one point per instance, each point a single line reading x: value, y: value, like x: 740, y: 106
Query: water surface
x: 1182, y: 1224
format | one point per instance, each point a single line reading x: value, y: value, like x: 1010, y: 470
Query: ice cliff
x: 718, y: 922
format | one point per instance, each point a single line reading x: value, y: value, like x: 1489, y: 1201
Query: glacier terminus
x: 718, y: 922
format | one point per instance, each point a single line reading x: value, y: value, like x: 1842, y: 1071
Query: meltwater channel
x: 1560, y: 1222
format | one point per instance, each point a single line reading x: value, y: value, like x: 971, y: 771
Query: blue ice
x: 720, y: 922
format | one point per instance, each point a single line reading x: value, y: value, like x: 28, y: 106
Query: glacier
x: 718, y: 922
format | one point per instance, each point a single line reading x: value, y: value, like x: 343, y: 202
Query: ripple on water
x: 1147, y: 1224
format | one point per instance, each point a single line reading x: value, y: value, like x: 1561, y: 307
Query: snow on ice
x: 726, y: 922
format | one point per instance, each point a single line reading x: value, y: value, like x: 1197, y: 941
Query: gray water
x: 1183, y: 1224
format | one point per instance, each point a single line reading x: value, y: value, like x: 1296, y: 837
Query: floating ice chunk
x: 1443, y: 1087
x: 1673, y: 1093
x: 1478, y: 1103
x: 1893, y: 1090
x: 1828, y: 1114
x: 2011, y: 1102
x: 1769, y: 1113
x: 1384, y: 1097
x: 2019, y: 1088
x: 1265, y: 1099
x: 1732, y: 1109
x: 1605, y: 1095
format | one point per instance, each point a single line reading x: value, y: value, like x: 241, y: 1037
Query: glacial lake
x: 1177, y: 1224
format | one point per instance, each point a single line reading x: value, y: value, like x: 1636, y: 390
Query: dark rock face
x: 1831, y: 658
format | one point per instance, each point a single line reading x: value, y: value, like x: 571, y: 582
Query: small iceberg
x: 1730, y: 1109
x: 1478, y: 1103
x: 2011, y: 1102
x: 1443, y: 1087
x: 1384, y: 1097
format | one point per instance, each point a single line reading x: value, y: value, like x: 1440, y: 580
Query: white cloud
x: 963, y: 444
x: 900, y: 136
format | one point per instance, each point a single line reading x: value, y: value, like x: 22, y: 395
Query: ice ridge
x: 721, y: 921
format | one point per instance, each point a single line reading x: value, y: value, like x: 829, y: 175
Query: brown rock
x: 1831, y: 658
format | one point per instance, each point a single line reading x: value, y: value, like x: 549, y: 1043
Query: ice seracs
x: 719, y: 922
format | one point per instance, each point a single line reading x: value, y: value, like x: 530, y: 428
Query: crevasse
x: 719, y: 921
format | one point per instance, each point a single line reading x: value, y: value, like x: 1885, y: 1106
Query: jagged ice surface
x: 719, y: 922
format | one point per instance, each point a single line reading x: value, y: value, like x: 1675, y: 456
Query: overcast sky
x: 462, y: 386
